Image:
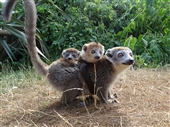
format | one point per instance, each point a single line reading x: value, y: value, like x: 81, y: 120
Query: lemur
x: 86, y: 59
x: 108, y: 69
x: 61, y: 74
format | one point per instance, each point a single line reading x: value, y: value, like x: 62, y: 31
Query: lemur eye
x: 100, y: 52
x: 130, y: 54
x: 67, y: 55
x: 74, y: 55
x: 120, y: 55
x: 92, y: 51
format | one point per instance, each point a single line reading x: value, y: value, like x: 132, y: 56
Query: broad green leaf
x: 130, y: 42
x: 7, y: 49
x: 145, y: 42
x: 133, y: 43
x: 132, y: 25
x: 16, y: 32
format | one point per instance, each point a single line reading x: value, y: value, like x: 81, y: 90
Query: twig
x: 63, y: 118
x: 23, y: 114
x: 95, y: 92
x: 121, y: 121
x: 45, y: 125
x: 83, y: 98
x: 70, y: 90
x: 33, y: 123
x: 73, y: 89
x: 30, y: 112
x: 102, y: 96
x: 5, y: 32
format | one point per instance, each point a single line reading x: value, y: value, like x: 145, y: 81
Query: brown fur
x: 91, y: 53
x: 7, y: 9
x: 108, y: 70
x: 72, y: 49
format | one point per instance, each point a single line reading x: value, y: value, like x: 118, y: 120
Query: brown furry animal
x: 91, y: 53
x: 108, y: 69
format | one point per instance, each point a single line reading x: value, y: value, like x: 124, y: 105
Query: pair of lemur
x: 65, y: 74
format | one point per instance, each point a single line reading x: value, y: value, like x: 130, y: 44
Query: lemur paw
x: 113, y: 101
x: 113, y: 96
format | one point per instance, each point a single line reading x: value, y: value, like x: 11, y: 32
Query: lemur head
x: 92, y: 52
x: 71, y: 54
x: 120, y: 57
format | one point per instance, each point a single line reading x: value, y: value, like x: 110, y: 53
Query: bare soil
x: 143, y: 95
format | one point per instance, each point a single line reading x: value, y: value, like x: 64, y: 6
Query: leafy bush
x: 141, y: 25
x: 137, y: 24
x: 149, y: 30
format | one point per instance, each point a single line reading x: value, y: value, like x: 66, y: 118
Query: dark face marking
x: 129, y: 62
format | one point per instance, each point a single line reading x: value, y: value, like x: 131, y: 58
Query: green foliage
x: 13, y: 44
x: 147, y: 31
x: 142, y: 25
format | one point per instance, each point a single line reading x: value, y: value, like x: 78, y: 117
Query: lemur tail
x: 30, y: 30
x: 7, y: 8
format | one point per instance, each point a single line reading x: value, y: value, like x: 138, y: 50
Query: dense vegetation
x: 142, y: 25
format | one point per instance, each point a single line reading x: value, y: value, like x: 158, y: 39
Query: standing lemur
x: 108, y: 69
x: 62, y: 73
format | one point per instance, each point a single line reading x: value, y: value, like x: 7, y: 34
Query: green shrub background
x: 142, y: 25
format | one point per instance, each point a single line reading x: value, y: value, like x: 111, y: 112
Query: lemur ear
x: 103, y: 49
x: 78, y: 52
x: 85, y: 47
x: 63, y: 52
x: 108, y: 54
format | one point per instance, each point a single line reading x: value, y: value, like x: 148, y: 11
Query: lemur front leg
x: 86, y: 76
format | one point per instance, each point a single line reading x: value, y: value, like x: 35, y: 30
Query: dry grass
x: 143, y: 95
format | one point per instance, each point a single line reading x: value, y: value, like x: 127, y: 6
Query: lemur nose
x: 97, y: 57
x: 69, y: 58
x: 131, y: 61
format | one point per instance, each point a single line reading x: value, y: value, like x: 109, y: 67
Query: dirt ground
x: 143, y: 95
